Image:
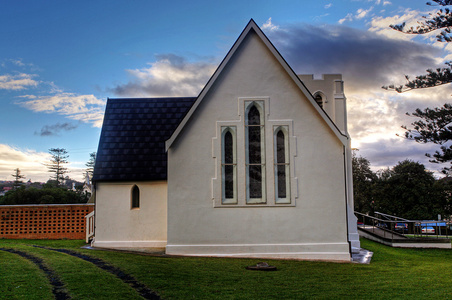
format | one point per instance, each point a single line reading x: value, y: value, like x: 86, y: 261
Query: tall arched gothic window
x: 253, y: 165
x: 255, y: 153
x: 281, y: 160
x: 229, y: 178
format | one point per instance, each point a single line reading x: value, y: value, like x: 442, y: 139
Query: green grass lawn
x: 392, y: 274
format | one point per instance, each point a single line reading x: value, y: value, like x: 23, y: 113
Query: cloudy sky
x: 60, y: 60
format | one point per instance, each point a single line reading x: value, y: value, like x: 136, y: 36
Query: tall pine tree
x: 17, y: 178
x: 434, y: 125
x: 57, y: 164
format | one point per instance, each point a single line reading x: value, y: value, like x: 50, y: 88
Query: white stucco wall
x: 332, y: 87
x: 313, y: 227
x: 117, y: 225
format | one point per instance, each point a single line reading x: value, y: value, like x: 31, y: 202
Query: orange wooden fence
x: 46, y: 221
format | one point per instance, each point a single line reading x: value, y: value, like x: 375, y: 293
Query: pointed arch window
x: 135, y: 197
x: 319, y: 99
x: 253, y: 167
x: 282, y: 167
x: 229, y: 165
x: 255, y: 152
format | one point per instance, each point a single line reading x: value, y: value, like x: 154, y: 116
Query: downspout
x: 346, y: 200
x: 352, y: 229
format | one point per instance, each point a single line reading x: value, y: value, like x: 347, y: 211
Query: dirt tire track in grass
x: 58, y: 289
x: 142, y: 289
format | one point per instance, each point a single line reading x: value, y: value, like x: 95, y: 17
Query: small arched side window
x: 228, y: 163
x: 135, y: 197
x: 282, y: 169
x: 319, y: 99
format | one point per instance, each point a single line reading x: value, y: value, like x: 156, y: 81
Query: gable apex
x: 253, y: 27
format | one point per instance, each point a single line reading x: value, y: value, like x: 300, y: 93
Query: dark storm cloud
x: 387, y: 153
x: 366, y: 59
x: 55, y: 129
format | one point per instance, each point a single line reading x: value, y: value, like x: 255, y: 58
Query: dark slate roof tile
x: 132, y: 141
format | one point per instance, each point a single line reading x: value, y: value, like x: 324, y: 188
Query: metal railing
x: 393, y: 227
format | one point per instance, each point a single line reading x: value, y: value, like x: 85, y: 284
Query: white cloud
x: 375, y: 118
x: 85, y: 108
x: 17, y: 82
x: 170, y: 75
x: 328, y: 5
x: 348, y: 17
x: 380, y: 25
x: 360, y: 14
x: 378, y: 2
x: 18, y: 62
x: 269, y: 25
x: 31, y: 164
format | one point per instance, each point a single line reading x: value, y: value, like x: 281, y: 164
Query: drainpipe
x: 352, y: 228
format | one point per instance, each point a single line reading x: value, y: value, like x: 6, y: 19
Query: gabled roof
x: 252, y: 26
x: 132, y: 141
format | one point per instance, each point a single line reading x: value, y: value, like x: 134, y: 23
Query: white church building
x: 258, y: 165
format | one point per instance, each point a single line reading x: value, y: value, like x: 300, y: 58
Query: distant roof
x: 132, y: 140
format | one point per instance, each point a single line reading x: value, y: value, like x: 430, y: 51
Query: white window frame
x: 285, y: 131
x: 259, y: 104
x: 233, y: 131
x: 240, y: 157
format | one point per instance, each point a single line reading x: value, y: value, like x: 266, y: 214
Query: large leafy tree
x: 57, y: 164
x: 440, y: 21
x: 434, y: 124
x: 363, y: 184
x: 410, y: 191
x: 48, y: 194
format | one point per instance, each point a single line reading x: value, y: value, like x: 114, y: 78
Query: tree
x: 90, y: 164
x: 363, y: 184
x: 48, y: 194
x: 17, y: 178
x: 412, y: 192
x: 434, y: 126
x: 56, y: 164
x: 441, y: 20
